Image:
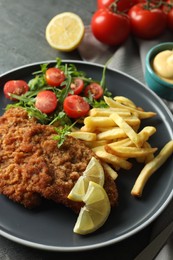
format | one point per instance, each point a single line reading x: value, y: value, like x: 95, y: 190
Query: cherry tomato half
x: 46, y: 101
x: 147, y: 23
x: 110, y: 28
x: 75, y: 106
x: 95, y: 89
x: 77, y: 86
x: 17, y: 87
x: 54, y: 77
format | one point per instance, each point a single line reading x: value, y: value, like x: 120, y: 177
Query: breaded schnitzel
x: 33, y: 167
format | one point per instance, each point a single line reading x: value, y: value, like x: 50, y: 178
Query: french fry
x: 108, y: 111
x: 96, y: 143
x: 94, y: 122
x: 124, y: 100
x: 151, y: 168
x: 127, y: 129
x: 132, y: 120
x: 146, y: 132
x: 87, y: 129
x: 150, y: 156
x: 114, y: 160
x: 122, y: 142
x: 110, y: 147
x: 132, y: 152
x: 99, y: 148
x: 113, y: 133
x: 86, y: 136
x: 141, y: 114
x: 103, y: 129
x: 110, y: 171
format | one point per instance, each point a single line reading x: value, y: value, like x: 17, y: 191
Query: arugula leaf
x: 103, y: 81
x: 62, y: 133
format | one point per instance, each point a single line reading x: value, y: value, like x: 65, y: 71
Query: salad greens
x: 58, y: 117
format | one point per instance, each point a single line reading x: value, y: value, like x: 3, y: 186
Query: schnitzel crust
x: 33, y: 167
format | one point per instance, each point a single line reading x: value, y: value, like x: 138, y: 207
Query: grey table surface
x: 22, y: 41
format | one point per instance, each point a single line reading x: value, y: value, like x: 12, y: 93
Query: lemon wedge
x: 95, y: 212
x: 65, y: 31
x: 93, y: 172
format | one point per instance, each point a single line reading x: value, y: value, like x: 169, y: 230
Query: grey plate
x: 50, y: 227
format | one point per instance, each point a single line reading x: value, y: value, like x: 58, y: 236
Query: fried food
x: 33, y: 167
x: 151, y: 167
x: 120, y: 137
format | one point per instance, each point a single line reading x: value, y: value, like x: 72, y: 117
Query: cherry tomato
x: 17, y: 87
x: 168, y: 10
x: 122, y: 6
x: 147, y: 23
x: 110, y: 28
x: 95, y: 89
x: 46, y: 101
x: 170, y: 19
x: 75, y: 106
x: 54, y: 77
x: 77, y: 86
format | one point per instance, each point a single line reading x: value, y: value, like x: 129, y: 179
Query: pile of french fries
x: 115, y: 135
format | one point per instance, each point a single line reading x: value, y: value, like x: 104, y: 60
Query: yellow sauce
x: 163, y: 65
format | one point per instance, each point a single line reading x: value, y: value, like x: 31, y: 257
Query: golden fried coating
x: 32, y: 167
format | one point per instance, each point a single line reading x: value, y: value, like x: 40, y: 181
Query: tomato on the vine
x: 170, y: 19
x: 46, y: 101
x: 75, y: 106
x: 94, y: 89
x: 122, y: 5
x: 17, y: 87
x: 110, y: 27
x: 168, y: 10
x: 147, y: 21
x: 54, y: 77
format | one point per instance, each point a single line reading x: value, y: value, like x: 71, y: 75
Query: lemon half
x: 93, y: 172
x: 95, y: 212
x: 65, y: 31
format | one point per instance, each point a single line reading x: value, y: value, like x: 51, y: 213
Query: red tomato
x: 17, y: 87
x: 147, y: 23
x: 168, y: 10
x: 77, y: 86
x: 54, y: 77
x: 46, y: 101
x: 110, y: 28
x: 170, y: 19
x: 122, y: 6
x: 75, y: 106
x: 95, y: 89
